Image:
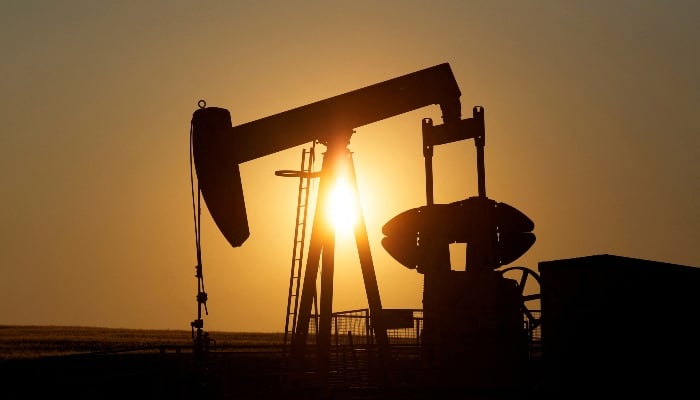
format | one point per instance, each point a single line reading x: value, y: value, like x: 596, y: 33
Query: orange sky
x: 591, y: 130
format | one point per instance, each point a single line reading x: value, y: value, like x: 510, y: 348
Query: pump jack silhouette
x: 495, y: 233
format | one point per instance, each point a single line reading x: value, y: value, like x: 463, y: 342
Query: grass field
x: 105, y: 363
x: 29, y: 342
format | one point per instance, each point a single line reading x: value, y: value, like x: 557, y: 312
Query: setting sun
x: 342, y: 207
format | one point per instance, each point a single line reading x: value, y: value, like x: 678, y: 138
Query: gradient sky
x: 592, y: 130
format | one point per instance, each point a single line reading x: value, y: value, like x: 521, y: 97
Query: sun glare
x: 342, y: 207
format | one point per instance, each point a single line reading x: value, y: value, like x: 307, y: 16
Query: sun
x: 342, y: 207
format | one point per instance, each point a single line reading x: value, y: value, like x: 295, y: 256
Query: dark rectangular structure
x: 612, y: 323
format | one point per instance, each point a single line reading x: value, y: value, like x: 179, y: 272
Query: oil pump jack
x: 418, y: 238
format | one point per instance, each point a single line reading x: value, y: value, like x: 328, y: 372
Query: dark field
x: 98, y: 363
x: 31, y: 342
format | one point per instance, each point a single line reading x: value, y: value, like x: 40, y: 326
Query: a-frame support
x: 337, y: 162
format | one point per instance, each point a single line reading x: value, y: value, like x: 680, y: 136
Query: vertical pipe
x: 325, y: 323
x: 480, y: 142
x: 428, y: 155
